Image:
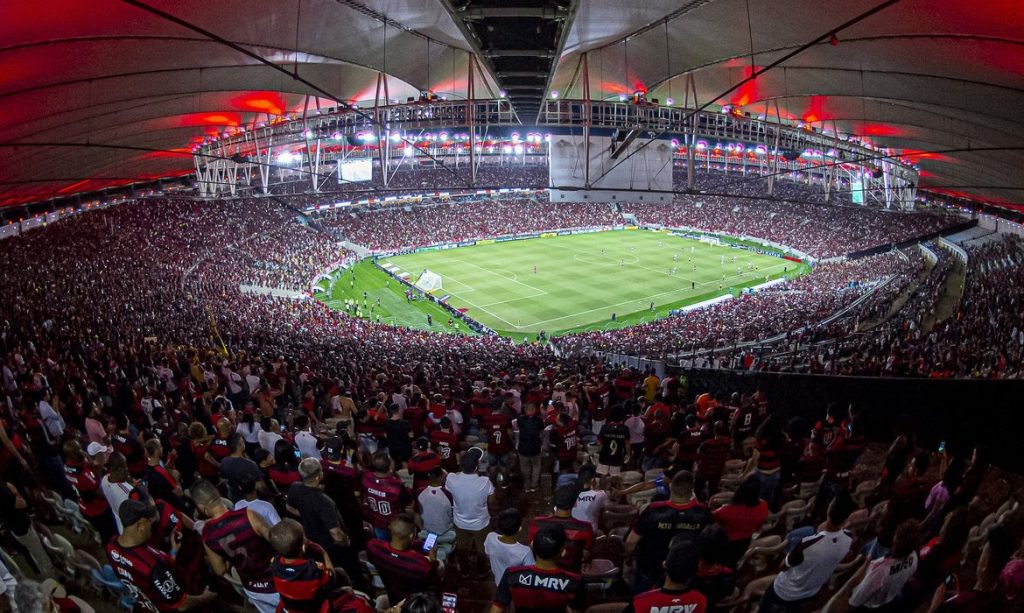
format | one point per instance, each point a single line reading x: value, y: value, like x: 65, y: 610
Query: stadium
x: 436, y: 306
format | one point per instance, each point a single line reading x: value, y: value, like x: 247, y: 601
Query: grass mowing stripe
x: 581, y: 275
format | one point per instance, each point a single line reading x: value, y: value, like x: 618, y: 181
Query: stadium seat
x: 794, y: 512
x: 763, y: 553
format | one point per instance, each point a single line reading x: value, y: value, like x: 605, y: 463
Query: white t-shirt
x: 504, y: 556
x: 261, y: 507
x: 115, y: 493
x: 635, y: 424
x: 250, y: 432
x: 588, y: 506
x: 436, y: 505
x: 306, y: 444
x: 268, y: 440
x: 822, y: 552
x: 883, y: 582
x: 253, y: 381
x: 469, y: 494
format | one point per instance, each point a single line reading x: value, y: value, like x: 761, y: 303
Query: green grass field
x: 580, y: 281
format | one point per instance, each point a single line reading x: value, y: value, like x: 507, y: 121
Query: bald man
x: 403, y: 568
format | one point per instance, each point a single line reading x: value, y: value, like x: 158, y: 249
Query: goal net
x: 429, y: 281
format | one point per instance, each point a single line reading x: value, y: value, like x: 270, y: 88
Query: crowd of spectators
x: 982, y: 338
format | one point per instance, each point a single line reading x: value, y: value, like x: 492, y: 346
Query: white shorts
x: 604, y: 469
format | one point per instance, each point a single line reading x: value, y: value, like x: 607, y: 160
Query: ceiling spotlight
x: 554, y: 95
x: 670, y: 101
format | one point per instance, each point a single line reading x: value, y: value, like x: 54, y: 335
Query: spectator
x: 471, y: 494
x: 436, y: 513
x: 116, y: 486
x: 152, y: 572
x: 677, y: 592
x: 658, y: 524
x: 237, y: 539
x: 885, y: 577
x: 285, y: 470
x: 386, y: 495
x: 741, y: 518
x: 403, y: 569
x: 711, y: 457
x: 502, y: 547
x: 590, y: 502
x: 445, y: 443
x: 304, y: 577
x: 236, y: 467
x: 544, y: 585
x: 343, y: 485
x: 306, y: 441
x: 531, y: 430
x: 579, y: 534
x: 811, y: 563
x: 159, y: 481
x: 423, y: 461
x: 766, y: 462
x: 614, y: 441
x: 91, y: 502
x: 320, y: 518
x: 269, y: 434
x: 14, y: 512
x: 249, y: 500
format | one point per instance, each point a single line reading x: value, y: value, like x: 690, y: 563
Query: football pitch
x: 594, y: 281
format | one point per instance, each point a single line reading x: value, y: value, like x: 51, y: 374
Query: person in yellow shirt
x: 651, y: 384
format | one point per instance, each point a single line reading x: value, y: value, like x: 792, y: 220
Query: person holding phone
x: 403, y: 568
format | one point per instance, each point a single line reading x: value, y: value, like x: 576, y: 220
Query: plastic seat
x: 719, y: 499
x: 770, y: 523
x: 858, y: 520
x: 752, y: 593
x: 631, y: 477
x: 61, y: 551
x: 763, y: 553
x: 11, y: 565
x: 734, y: 468
x: 793, y: 512
x: 844, y: 570
x: 641, y: 499
x: 729, y: 484
x: 617, y: 515
x: 599, y: 570
x: 864, y: 490
x: 652, y: 474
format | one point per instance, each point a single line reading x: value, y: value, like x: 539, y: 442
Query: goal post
x: 429, y: 281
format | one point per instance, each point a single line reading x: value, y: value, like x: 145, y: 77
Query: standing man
x: 543, y: 586
x: 659, y: 523
x: 237, y: 468
x: 579, y: 534
x: 711, y: 457
x: 386, y: 496
x: 498, y: 425
x: 239, y: 539
x: 305, y: 440
x: 321, y: 520
x: 152, y: 574
x: 423, y: 461
x: 446, y: 442
x: 614, y: 441
x: 471, y: 494
x: 531, y: 431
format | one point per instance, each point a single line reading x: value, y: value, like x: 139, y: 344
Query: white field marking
x: 476, y: 306
x: 497, y: 274
x: 546, y: 321
x: 490, y: 304
x: 447, y: 279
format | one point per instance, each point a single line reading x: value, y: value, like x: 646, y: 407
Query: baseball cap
x: 132, y: 511
x: 95, y: 448
x: 333, y: 447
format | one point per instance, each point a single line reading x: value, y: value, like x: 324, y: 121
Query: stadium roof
x: 107, y: 92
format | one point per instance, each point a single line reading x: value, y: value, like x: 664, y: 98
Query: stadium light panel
x: 554, y: 95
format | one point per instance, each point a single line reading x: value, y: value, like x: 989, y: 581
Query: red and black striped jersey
x: 385, y: 498
x: 402, y: 572
x: 536, y: 590
x: 669, y: 601
x: 168, y: 522
x: 420, y: 465
x: 232, y: 537
x: 219, y: 448
x: 446, y: 444
x: 152, y: 575
x: 565, y: 442
x: 91, y: 501
x: 131, y: 449
x: 711, y: 456
x: 302, y: 584
x: 499, y: 433
x: 579, y: 537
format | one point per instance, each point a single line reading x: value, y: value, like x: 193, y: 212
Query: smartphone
x: 449, y: 602
x: 942, y: 447
x: 282, y: 428
x: 430, y: 542
x: 297, y: 454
